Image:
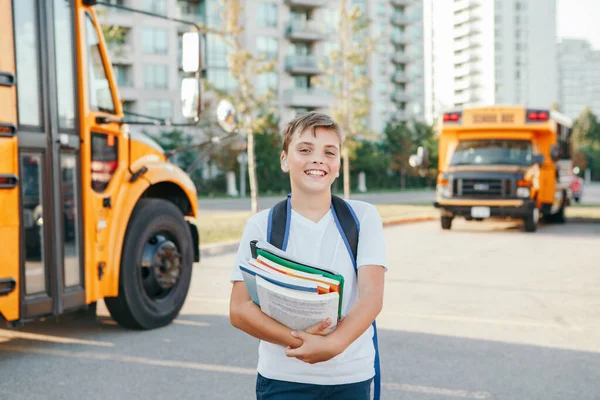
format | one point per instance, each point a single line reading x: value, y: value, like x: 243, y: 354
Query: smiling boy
x: 317, y: 363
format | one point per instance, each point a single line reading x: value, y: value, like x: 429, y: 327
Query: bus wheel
x: 531, y: 220
x: 156, y: 267
x: 446, y: 222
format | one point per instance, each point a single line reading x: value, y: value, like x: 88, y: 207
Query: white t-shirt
x: 321, y: 243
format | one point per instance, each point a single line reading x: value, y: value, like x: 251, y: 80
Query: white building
x: 491, y: 52
x: 579, y: 77
x: 298, y: 33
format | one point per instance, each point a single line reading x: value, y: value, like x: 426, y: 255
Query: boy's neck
x: 311, y: 206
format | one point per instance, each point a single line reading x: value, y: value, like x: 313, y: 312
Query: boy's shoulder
x: 361, y: 208
x: 260, y: 218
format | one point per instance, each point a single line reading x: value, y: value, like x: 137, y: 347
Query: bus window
x: 27, y: 52
x: 100, y: 94
x: 63, y: 43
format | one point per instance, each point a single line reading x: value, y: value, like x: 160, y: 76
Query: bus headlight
x: 443, y: 190
x: 523, y: 192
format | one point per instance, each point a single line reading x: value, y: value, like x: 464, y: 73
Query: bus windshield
x: 488, y: 152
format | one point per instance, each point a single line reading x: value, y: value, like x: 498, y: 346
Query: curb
x: 217, y: 249
x: 401, y: 221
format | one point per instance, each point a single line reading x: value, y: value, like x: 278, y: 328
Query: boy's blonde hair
x: 310, y: 120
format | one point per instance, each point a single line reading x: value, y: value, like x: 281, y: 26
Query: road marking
x: 459, y: 318
x: 8, y: 334
x: 463, y: 394
x: 192, y: 323
x: 129, y: 359
x: 224, y: 300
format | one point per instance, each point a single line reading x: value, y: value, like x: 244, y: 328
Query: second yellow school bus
x: 504, y: 162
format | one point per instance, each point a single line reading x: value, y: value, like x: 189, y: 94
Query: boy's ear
x: 284, y: 164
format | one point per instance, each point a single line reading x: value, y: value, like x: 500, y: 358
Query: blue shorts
x: 271, y: 389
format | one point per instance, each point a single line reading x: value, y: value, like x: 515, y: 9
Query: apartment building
x: 579, y: 77
x: 299, y: 34
x: 491, y: 52
x: 146, y: 57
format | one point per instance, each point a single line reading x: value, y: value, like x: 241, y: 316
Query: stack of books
x: 294, y: 293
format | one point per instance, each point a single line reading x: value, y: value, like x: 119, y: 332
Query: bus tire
x: 156, y: 267
x: 531, y: 221
x: 446, y: 222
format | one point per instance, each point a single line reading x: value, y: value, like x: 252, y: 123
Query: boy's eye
x: 330, y: 153
x: 304, y: 150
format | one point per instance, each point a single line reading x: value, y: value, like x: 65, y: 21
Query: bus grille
x: 482, y: 188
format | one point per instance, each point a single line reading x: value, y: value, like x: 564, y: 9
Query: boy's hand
x: 320, y: 328
x: 315, y: 348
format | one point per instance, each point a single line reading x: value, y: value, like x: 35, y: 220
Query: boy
x: 317, y: 363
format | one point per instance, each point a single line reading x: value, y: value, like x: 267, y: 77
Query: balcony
x: 308, y: 31
x: 461, y: 5
x: 307, y: 97
x: 400, y: 77
x: 401, y: 19
x: 302, y: 65
x: 402, y: 3
x: 400, y: 58
x: 400, y: 96
x: 399, y: 38
x: 306, y: 3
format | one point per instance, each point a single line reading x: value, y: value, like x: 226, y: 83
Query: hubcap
x: 161, y: 267
x: 536, y: 215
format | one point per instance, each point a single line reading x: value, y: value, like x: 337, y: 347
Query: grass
x: 229, y: 226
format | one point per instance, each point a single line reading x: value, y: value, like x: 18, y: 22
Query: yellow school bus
x: 504, y: 162
x: 90, y: 209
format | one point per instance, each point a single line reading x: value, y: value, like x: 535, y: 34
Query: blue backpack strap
x: 278, y: 230
x: 349, y: 228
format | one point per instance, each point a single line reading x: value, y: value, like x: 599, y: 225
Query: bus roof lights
x: 537, y: 115
x: 452, y: 117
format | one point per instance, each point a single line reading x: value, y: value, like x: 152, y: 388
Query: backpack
x: 278, y: 230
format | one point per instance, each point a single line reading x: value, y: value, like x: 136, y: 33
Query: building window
x: 380, y: 9
x: 217, y: 52
x: 156, y: 6
x: 267, y: 15
x: 221, y: 79
x: 159, y: 108
x: 122, y: 72
x: 301, y: 82
x: 267, y: 47
x: 156, y: 76
x: 155, y: 41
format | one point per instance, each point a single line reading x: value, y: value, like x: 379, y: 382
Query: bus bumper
x: 480, y: 209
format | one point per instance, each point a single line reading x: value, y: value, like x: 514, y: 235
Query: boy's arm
x: 369, y: 304
x: 366, y: 309
x: 245, y: 315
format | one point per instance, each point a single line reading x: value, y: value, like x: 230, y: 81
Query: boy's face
x: 312, y: 162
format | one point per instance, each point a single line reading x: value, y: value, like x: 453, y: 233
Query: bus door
x: 51, y: 245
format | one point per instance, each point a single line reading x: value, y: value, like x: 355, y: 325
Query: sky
x: 579, y: 19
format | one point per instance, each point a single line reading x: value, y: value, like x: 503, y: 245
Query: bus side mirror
x: 190, y: 52
x: 227, y: 116
x: 555, y: 153
x: 190, y: 98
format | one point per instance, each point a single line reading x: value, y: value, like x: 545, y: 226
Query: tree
x: 345, y: 77
x: 586, y: 143
x: 399, y: 147
x: 244, y: 67
x: 402, y: 140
